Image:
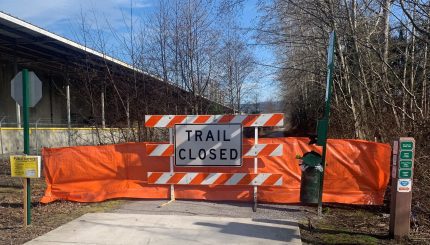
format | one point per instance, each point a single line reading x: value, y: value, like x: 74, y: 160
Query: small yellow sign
x: 25, y: 166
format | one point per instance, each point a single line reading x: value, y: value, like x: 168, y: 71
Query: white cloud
x: 64, y: 17
x: 52, y: 14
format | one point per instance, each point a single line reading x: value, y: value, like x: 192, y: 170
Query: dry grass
x: 45, y: 217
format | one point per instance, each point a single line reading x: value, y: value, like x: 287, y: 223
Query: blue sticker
x: 404, y: 183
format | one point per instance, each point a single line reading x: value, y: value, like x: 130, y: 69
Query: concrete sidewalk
x: 120, y: 228
x: 182, y: 222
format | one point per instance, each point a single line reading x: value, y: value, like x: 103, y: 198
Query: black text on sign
x: 208, y: 144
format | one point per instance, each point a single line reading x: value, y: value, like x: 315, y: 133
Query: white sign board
x: 35, y: 89
x: 404, y: 185
x: 208, y: 144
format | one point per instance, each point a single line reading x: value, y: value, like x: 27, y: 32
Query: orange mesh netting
x: 357, y: 173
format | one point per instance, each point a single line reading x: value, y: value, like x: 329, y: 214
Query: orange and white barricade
x: 255, y: 151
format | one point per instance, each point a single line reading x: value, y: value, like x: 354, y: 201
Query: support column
x: 103, y: 110
x: 18, y: 115
x: 128, y: 113
x: 69, y: 120
x: 17, y: 106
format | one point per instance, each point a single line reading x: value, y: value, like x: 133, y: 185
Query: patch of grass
x: 45, y: 217
x: 345, y: 226
x: 65, y: 211
x: 344, y: 238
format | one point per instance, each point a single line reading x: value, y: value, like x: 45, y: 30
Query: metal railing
x: 45, y: 132
x: 1, y: 138
x: 77, y: 132
x: 9, y: 122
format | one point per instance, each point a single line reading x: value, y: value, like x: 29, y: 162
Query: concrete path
x: 180, y: 222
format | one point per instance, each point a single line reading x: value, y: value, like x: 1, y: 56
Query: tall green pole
x: 323, y: 123
x: 25, y: 113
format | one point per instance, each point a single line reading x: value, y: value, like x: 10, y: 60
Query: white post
x: 128, y: 113
x: 18, y: 115
x: 172, y: 187
x: 37, y: 136
x: 18, y: 108
x: 255, y: 169
x: 68, y: 113
x: 103, y: 110
x: 1, y: 139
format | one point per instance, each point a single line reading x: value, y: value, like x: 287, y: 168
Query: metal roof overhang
x: 33, y: 47
x: 28, y: 44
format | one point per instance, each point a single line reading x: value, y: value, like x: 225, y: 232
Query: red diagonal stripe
x: 226, y: 118
x: 153, y: 120
x: 249, y: 120
x: 168, y: 152
x: 176, y: 178
x: 199, y: 178
x: 267, y: 150
x: 272, y: 179
x: 222, y: 179
x: 274, y: 120
x: 154, y: 177
x: 176, y: 119
x: 202, y: 119
x: 150, y: 148
x: 246, y: 179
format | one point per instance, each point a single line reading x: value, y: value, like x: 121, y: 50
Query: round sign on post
x: 35, y: 90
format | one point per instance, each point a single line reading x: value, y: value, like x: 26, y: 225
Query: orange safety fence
x: 357, y: 173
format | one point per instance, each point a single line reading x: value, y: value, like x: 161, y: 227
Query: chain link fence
x: 45, y: 132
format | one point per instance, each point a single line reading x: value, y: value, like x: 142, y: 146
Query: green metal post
x: 323, y: 124
x: 25, y: 113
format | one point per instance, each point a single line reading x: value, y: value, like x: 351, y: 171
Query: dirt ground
x: 346, y: 224
x: 343, y: 225
x: 340, y: 224
x: 44, y: 217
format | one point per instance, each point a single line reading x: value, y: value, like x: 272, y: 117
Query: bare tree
x: 381, y: 76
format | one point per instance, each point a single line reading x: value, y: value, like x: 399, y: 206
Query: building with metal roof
x: 128, y: 93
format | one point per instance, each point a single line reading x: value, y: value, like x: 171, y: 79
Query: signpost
x: 401, y: 187
x: 26, y: 89
x: 208, y: 144
x: 322, y: 127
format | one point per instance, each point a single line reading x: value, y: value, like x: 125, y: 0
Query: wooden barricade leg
x: 255, y: 169
x: 172, y: 187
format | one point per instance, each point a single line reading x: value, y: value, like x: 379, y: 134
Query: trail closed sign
x: 208, y: 144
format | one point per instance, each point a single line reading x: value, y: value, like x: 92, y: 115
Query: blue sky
x: 63, y: 17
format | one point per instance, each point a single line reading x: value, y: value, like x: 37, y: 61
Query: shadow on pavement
x: 257, y: 231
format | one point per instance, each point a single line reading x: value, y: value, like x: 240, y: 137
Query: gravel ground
x: 219, y: 209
